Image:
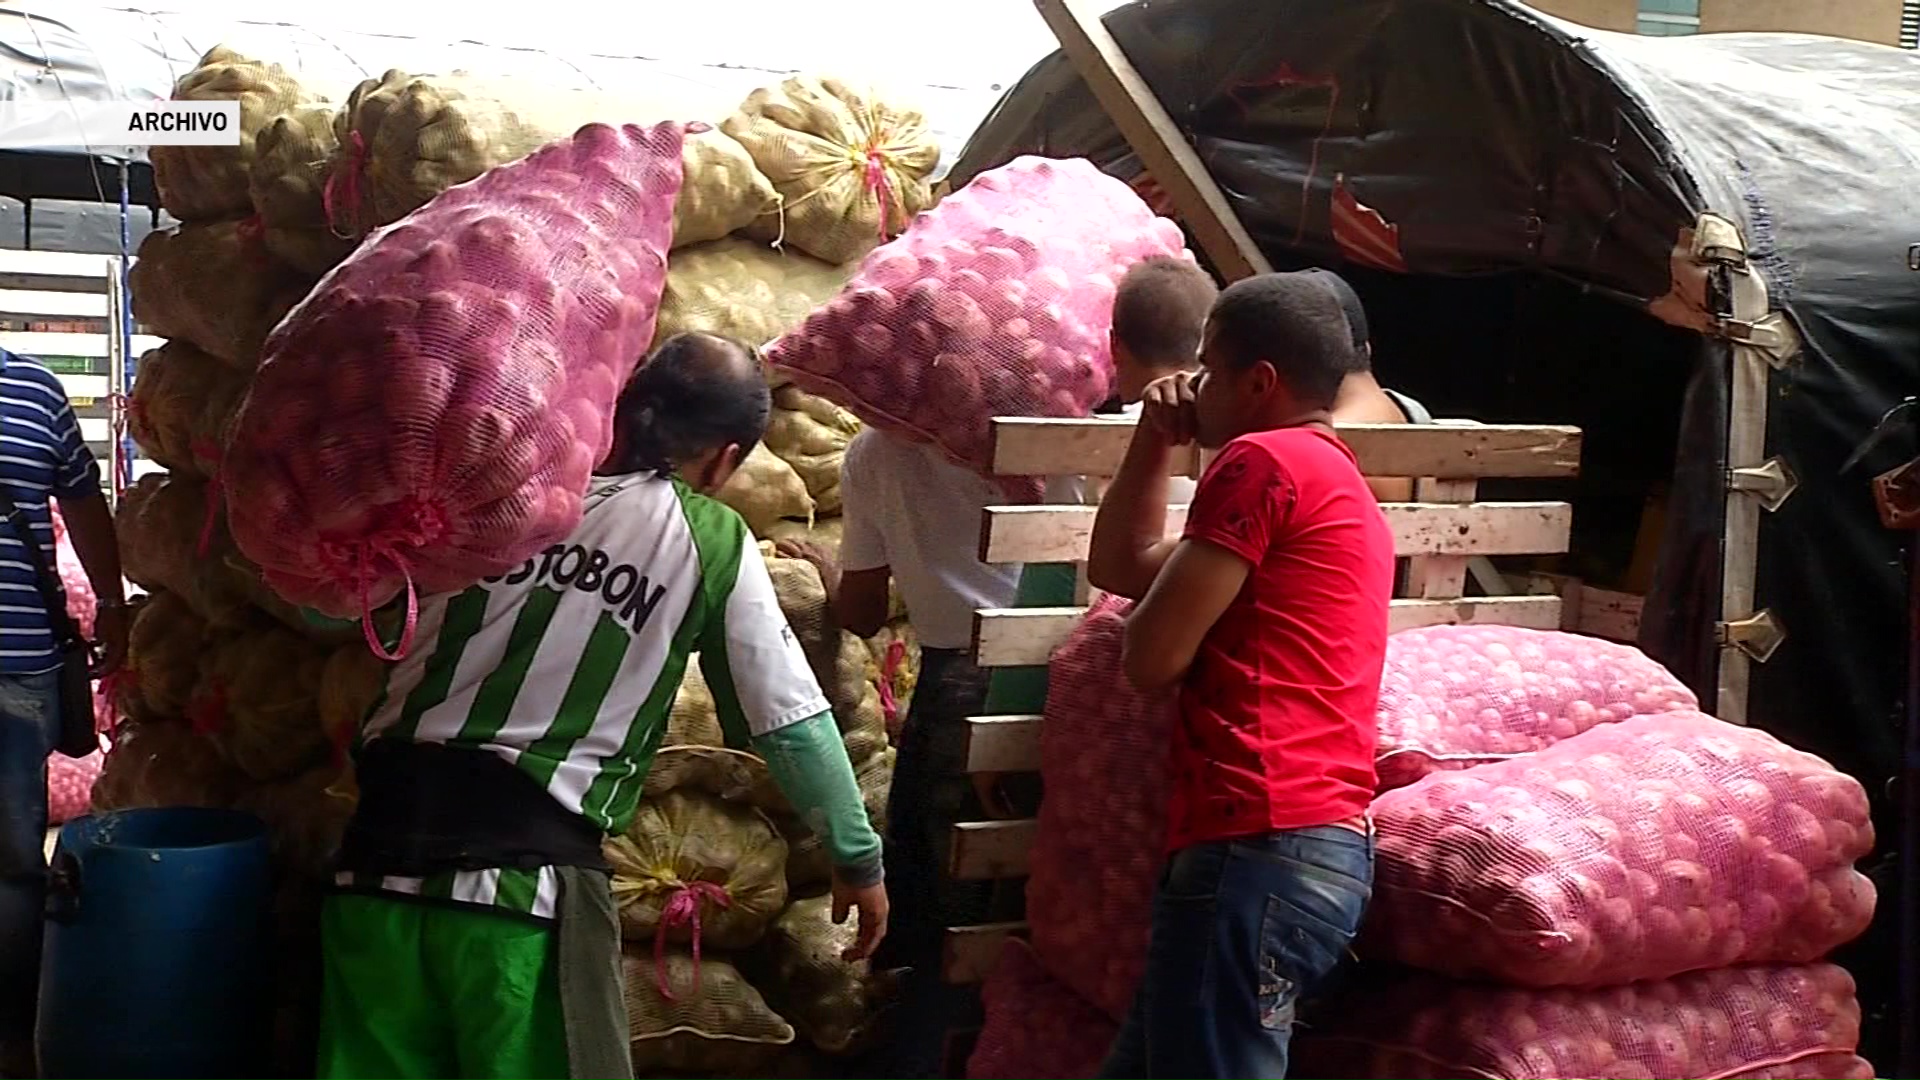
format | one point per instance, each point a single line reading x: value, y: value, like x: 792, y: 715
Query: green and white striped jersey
x: 568, y: 666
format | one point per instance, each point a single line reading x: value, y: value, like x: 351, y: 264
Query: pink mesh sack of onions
x: 1101, y: 838
x: 997, y: 302
x: 1035, y: 1026
x: 70, y: 786
x: 430, y: 415
x: 1452, y: 697
x: 1747, y: 1022
x: 1639, y: 850
x: 82, y: 605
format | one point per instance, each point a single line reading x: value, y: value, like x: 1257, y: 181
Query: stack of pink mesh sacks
x: 1593, y: 879
x: 430, y: 415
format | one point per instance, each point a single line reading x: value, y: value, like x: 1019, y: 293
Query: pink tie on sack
x: 683, y: 908
x: 343, y: 187
x: 878, y: 184
x: 889, y: 704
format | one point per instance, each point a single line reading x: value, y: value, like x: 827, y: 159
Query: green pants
x: 416, y: 990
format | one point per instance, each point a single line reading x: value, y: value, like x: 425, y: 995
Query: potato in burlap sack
x: 163, y: 655
x: 350, y: 685
x: 258, y: 696
x: 288, y: 181
x: 765, y: 490
x: 811, y: 434
x: 402, y: 139
x: 851, y: 169
x: 724, y: 190
x: 743, y: 290
x: 206, y: 183
x: 305, y: 815
x: 163, y: 763
x: 694, y: 867
x: 697, y: 1016
x: 830, y: 1001
x: 160, y: 523
x: 693, y: 720
x: 825, y: 531
x: 714, y: 771
x: 214, y: 285
x: 839, y: 659
x: 182, y: 400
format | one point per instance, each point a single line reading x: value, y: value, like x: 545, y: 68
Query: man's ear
x: 1262, y: 378
x: 722, y: 465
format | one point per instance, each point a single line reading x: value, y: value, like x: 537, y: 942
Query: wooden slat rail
x: 1440, y: 534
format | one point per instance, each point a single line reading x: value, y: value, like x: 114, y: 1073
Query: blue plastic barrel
x: 157, y: 947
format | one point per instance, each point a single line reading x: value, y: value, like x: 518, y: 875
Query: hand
x: 823, y: 560
x: 1167, y: 409
x: 871, y: 903
x: 993, y: 801
x: 110, y: 638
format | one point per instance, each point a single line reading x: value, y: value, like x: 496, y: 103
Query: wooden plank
x: 1022, y: 637
x: 1604, y: 613
x: 1003, y: 744
x: 1051, y: 534
x: 987, y: 850
x: 1024, y: 446
x: 972, y: 952
x: 89, y: 346
x: 66, y: 271
x: 47, y: 305
x: 84, y: 388
x: 1440, y: 577
x: 1163, y: 148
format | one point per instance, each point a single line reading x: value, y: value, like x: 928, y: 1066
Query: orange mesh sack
x: 1452, y: 697
x: 766, y: 491
x: 183, y: 399
x: 743, y: 290
x: 168, y: 543
x: 432, y: 414
x: 997, y: 302
x: 163, y: 654
x: 163, y: 763
x: 698, y: 1015
x: 258, y: 695
x: 695, y: 869
x: 1638, y: 850
x: 214, y: 285
x: 811, y: 434
x: 1101, y: 837
x: 851, y: 169
x: 1736, y: 1022
x: 287, y: 182
x: 1035, y: 1026
x: 205, y: 183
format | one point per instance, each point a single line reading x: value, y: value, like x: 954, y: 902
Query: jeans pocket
x: 1298, y: 950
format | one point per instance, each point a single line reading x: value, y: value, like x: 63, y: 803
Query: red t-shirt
x: 1277, y: 724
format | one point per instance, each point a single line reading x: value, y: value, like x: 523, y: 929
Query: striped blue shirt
x: 42, y: 457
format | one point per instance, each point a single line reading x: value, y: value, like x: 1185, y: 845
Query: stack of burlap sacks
x: 232, y: 698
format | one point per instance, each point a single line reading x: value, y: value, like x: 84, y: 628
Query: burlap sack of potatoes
x: 183, y: 399
x: 288, y: 181
x: 743, y: 290
x: 765, y: 490
x: 216, y: 286
x: 811, y: 434
x: 207, y: 183
x: 850, y: 167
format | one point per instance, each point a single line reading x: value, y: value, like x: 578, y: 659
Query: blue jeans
x: 29, y: 718
x: 1243, y: 931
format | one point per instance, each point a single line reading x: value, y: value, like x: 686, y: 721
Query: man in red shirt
x: 1270, y: 614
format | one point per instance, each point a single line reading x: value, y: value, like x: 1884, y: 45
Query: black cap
x: 1349, y: 303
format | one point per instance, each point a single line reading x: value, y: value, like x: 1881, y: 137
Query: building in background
x: 1889, y: 22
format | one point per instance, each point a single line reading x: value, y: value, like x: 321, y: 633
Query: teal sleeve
x: 810, y: 764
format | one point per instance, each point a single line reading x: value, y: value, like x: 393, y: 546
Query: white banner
x: 104, y: 125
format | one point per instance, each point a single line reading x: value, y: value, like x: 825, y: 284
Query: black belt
x: 429, y: 808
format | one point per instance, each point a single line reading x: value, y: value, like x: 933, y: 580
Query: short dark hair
x: 1291, y: 322
x: 698, y: 392
x: 1160, y: 310
x: 1356, y: 313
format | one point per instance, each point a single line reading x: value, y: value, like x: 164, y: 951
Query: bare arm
x: 1129, y: 544
x: 1165, y: 630
x: 90, y: 528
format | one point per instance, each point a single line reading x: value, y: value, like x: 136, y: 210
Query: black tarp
x: 1498, y: 140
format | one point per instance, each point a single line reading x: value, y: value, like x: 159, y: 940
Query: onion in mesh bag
x: 1101, y: 838
x: 694, y: 868
x: 850, y: 167
x: 183, y: 398
x: 697, y: 1016
x: 1732, y: 1022
x: 743, y: 290
x: 82, y: 605
x: 214, y: 285
x: 811, y: 434
x: 997, y: 302
x: 204, y: 183
x: 1453, y: 697
x: 258, y: 696
x: 402, y: 139
x: 163, y: 763
x: 288, y: 182
x: 163, y: 654
x: 70, y: 786
x: 431, y: 415
x: 832, y: 1002
x: 765, y: 490
x: 1638, y: 850
x: 1035, y: 1026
